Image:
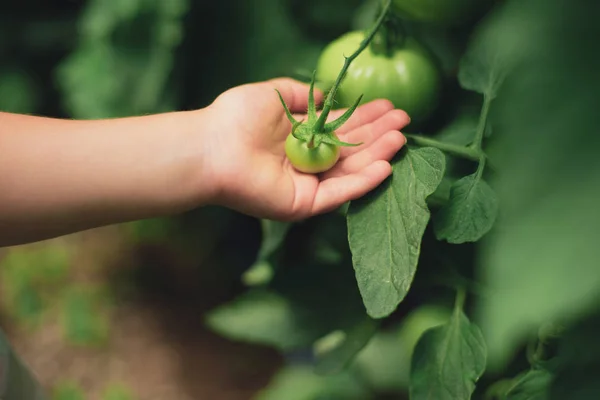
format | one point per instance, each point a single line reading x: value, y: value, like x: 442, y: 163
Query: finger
x: 384, y: 148
x: 334, y: 192
x: 294, y: 93
x: 393, y: 120
x: 364, y: 114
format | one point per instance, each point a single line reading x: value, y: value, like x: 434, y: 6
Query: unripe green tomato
x: 408, y: 77
x: 446, y: 12
x: 311, y: 160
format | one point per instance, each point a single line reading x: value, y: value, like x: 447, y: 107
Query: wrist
x: 199, y: 176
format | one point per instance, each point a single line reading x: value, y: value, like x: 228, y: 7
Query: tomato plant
x: 405, y: 74
x: 457, y: 227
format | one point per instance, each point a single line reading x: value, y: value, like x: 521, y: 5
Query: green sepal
x: 295, y: 126
x: 312, y: 108
x: 317, y: 140
x: 334, y: 125
x: 330, y: 139
x: 287, y: 110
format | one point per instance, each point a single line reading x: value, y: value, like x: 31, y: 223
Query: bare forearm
x: 62, y: 176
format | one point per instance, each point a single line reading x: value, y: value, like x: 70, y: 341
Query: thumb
x: 294, y: 93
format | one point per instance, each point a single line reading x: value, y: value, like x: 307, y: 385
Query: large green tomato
x: 408, y: 77
x: 448, y: 12
x: 313, y: 159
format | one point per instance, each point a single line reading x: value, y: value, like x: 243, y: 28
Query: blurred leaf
x: 151, y: 229
x: 18, y: 91
x: 530, y: 385
x: 301, y: 304
x: 385, y: 229
x: 27, y: 304
x: 301, y: 383
x: 484, y: 66
x: 85, y: 321
x: 335, y: 358
x: 470, y: 212
x: 448, y: 360
x: 68, y: 391
x: 578, y: 362
x: 385, y: 361
x: 460, y: 130
x: 261, y: 316
x: 117, y: 392
x: 541, y: 263
x: 261, y: 271
x: 123, y: 61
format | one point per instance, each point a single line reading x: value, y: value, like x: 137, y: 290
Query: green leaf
x: 117, y: 392
x: 541, y: 261
x: 84, y: 321
x: 273, y: 235
x: 385, y: 360
x: 385, y: 229
x: 335, y: 359
x: 301, y: 304
x: 68, y: 391
x: 461, y: 130
x: 530, y: 385
x: 18, y: 91
x: 484, y: 67
x: 448, y: 360
x: 301, y: 383
x: 123, y: 61
x: 470, y: 212
x: 265, y: 317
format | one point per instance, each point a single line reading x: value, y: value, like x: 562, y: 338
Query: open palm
x: 257, y: 177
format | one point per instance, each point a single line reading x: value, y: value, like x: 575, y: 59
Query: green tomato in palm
x: 407, y: 76
x: 309, y: 158
x: 446, y: 12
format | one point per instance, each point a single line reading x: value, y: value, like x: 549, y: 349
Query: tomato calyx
x: 391, y: 36
x: 314, y: 131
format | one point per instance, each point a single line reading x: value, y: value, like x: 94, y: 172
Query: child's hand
x: 244, y: 145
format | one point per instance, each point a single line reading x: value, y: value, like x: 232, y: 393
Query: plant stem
x: 476, y: 145
x: 328, y: 104
x: 454, y: 149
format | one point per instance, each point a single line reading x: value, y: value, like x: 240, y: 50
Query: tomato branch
x: 450, y: 148
x: 485, y: 110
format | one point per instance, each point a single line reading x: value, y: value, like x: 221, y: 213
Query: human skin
x: 61, y: 176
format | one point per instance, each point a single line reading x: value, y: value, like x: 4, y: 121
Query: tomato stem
x: 450, y: 148
x: 328, y: 104
x: 485, y: 110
